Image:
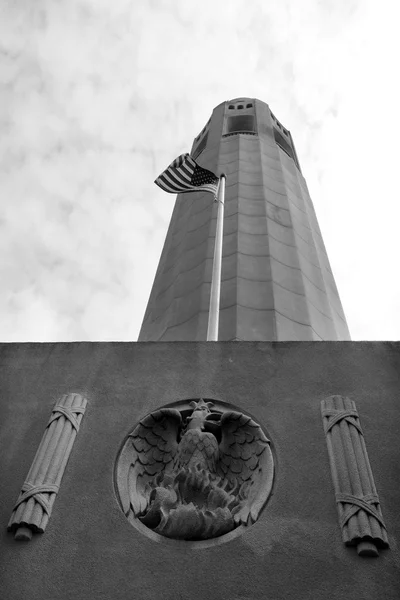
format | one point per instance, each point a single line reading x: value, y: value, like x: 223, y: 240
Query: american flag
x: 185, y: 175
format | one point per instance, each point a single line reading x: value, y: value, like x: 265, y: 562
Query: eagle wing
x: 245, y: 461
x: 148, y: 452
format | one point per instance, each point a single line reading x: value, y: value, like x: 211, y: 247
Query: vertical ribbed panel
x: 35, y: 503
x: 359, y: 511
x: 276, y: 279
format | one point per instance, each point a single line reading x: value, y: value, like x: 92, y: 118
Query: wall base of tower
x: 295, y: 548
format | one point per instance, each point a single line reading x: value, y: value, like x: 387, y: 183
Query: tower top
x: 248, y: 116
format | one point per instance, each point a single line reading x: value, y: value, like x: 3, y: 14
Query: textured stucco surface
x: 294, y: 551
x: 276, y: 281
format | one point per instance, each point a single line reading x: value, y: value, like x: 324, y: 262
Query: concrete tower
x: 277, y: 283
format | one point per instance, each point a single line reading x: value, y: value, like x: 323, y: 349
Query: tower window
x: 242, y: 124
x: 249, y: 105
x: 240, y: 106
x: 231, y: 106
x: 199, y: 149
x: 286, y: 147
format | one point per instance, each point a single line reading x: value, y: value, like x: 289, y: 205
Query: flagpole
x: 213, y: 314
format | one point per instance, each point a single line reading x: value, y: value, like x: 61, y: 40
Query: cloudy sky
x: 98, y: 97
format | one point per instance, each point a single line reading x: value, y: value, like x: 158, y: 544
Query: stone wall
x: 295, y: 548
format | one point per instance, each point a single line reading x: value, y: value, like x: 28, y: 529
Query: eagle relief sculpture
x: 195, y: 474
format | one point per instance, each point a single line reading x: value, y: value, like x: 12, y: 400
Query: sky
x: 98, y: 97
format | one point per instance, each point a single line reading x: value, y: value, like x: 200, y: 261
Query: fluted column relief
x: 360, y: 515
x: 33, y: 508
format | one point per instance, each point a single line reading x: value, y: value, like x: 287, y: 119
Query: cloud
x: 98, y: 98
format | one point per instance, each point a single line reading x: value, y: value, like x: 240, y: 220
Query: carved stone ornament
x: 195, y: 471
x: 360, y: 514
x: 33, y: 508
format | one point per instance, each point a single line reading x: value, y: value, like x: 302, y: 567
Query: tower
x: 277, y: 283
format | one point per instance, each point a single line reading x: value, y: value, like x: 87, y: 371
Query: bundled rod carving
x: 33, y: 508
x: 360, y: 515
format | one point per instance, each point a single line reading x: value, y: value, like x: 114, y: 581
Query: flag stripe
x: 185, y: 178
x: 175, y: 177
x: 166, y: 187
x: 186, y: 172
x: 185, y: 175
x: 177, y: 182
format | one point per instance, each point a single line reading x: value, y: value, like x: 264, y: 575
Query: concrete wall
x: 294, y: 551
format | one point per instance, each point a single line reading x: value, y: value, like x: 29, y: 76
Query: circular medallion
x: 194, y: 470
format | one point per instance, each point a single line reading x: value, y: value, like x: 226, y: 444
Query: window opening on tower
x: 241, y: 124
x: 200, y: 147
x: 285, y: 146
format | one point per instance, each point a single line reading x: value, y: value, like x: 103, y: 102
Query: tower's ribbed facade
x: 277, y: 283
